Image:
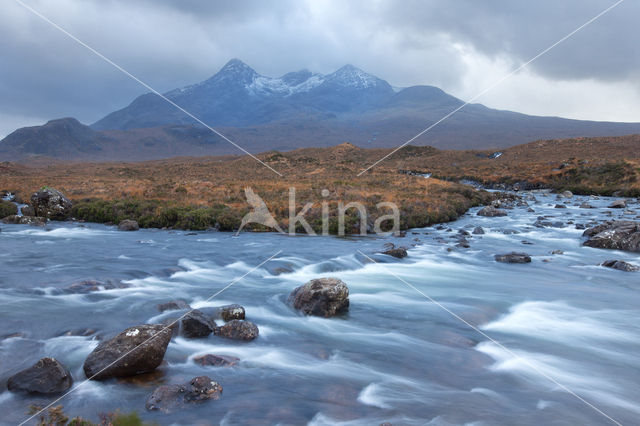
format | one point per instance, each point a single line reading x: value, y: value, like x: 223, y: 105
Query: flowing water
x: 396, y: 356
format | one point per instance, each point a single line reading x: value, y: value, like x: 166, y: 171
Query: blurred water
x: 395, y: 357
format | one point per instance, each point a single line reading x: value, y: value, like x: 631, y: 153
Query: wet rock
x: 48, y: 376
x: 397, y: 252
x: 51, y: 204
x: 491, y: 211
x: 173, y: 305
x: 230, y: 312
x: 617, y: 235
x: 513, y: 258
x: 167, y: 398
x: 478, y: 230
x: 580, y: 226
x: 567, y: 194
x: 28, y: 211
x: 25, y: 220
x: 136, y: 350
x: 323, y: 297
x: 560, y: 206
x: 238, y: 330
x: 128, y: 225
x: 197, y: 324
x: 216, y: 360
x: 620, y: 265
x: 557, y: 252
x: 89, y: 286
x: 586, y: 205
x: 510, y: 231
x: 618, y: 204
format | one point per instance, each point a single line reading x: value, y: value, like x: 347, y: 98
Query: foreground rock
x: 230, y: 312
x: 50, y: 203
x: 47, y: 377
x: 128, y: 225
x: 620, y: 265
x: 324, y: 297
x: 197, y: 324
x: 167, y: 398
x: 491, y: 211
x: 142, y: 349
x: 24, y: 220
x: 216, y: 360
x: 513, y: 258
x: 617, y: 235
x: 238, y: 330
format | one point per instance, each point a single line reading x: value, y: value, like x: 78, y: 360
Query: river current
x: 571, y: 328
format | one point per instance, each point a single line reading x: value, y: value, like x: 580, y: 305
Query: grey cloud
x: 173, y: 43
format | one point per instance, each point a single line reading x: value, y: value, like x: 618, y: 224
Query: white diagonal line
x: 509, y: 351
x: 168, y: 327
x: 496, y: 83
x: 133, y: 77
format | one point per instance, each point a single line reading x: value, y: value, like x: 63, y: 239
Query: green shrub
x: 7, y: 208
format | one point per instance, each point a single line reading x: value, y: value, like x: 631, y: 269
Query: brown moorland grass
x: 198, y: 193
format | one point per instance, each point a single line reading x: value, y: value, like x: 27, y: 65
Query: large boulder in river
x: 136, y: 350
x: 513, y: 258
x: 620, y: 265
x: 324, y: 297
x: 47, y: 377
x: 50, y: 203
x: 166, y: 398
x: 491, y: 211
x: 238, y: 330
x: 197, y: 324
x: 617, y: 235
x: 128, y: 225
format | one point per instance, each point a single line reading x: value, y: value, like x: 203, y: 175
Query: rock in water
x: 238, y: 330
x: 620, y: 265
x: 141, y: 347
x: 618, y: 204
x: 397, y: 252
x: 169, y: 397
x: 513, y: 258
x: 216, y: 360
x: 478, y: 230
x: 50, y: 203
x: 617, y: 235
x: 173, y: 305
x: 324, y: 297
x: 25, y: 220
x: 491, y: 211
x: 231, y: 312
x: 197, y: 324
x: 48, y: 376
x: 128, y: 225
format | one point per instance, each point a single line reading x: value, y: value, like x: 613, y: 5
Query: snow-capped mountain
x: 238, y: 95
x: 298, y: 109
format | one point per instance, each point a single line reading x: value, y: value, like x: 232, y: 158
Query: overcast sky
x: 460, y: 46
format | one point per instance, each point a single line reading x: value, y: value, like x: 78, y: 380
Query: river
x: 570, y: 326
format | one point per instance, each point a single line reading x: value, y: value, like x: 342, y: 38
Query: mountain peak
x: 353, y: 76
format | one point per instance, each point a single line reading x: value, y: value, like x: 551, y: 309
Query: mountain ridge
x: 296, y: 110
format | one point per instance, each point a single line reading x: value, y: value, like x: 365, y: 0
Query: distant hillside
x: 299, y: 109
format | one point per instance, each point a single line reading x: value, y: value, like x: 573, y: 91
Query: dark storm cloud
x: 173, y: 43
